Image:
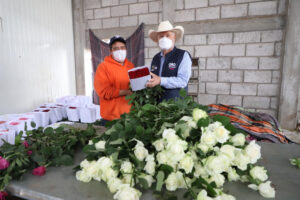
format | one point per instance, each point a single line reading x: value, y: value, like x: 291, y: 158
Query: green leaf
x: 38, y: 158
x: 182, y: 93
x: 139, y: 130
x: 167, y: 169
x: 48, y: 130
x: 143, y: 182
x: 149, y: 107
x: 160, y: 180
x: 203, y: 122
x: 224, y: 120
x: 66, y: 160
x: 33, y: 125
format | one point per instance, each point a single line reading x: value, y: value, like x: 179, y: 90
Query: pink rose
x: 29, y: 153
x: 39, y: 171
x: 25, y: 143
x: 3, y: 195
x: 3, y: 163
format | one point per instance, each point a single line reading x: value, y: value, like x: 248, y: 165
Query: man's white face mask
x: 165, y: 43
x: 119, y: 55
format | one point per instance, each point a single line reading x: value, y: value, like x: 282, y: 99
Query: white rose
x: 253, y: 187
x: 199, y: 114
x: 114, y: 184
x: 253, y: 151
x: 162, y: 157
x: 244, y: 179
x: 202, y: 195
x: 127, y: 193
x: 208, y: 138
x: 172, y: 182
x: 186, y: 118
x: 259, y: 173
x: 224, y: 196
x: 128, y: 179
x: 93, y: 170
x: 241, y: 160
x: 90, y: 142
x: 238, y: 139
x: 108, y: 174
x: 217, y: 164
x: 191, y: 124
x: 232, y: 175
x: 200, y: 171
x: 140, y: 152
x: 219, y: 179
x: 85, y: 163
x: 104, y: 163
x: 159, y: 145
x: 148, y: 178
x: 228, y: 150
x: 180, y: 180
x: 266, y: 190
x: 203, y: 147
x: 100, y: 145
x: 150, y: 157
x: 126, y: 167
x: 177, y: 147
x: 150, y: 167
x: 170, y: 135
x: 82, y: 176
x: 222, y: 134
x: 186, y: 164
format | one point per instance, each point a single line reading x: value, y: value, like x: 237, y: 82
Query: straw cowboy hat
x: 166, y: 26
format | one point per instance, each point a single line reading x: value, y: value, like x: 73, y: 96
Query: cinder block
x: 206, y: 51
x: 217, y: 88
x: 206, y: 99
x: 88, y: 14
x: 110, y: 23
x: 146, y: 52
x: 185, y: 15
x: 261, y: 49
x: 201, y: 87
x: 102, y: 13
x: 276, y: 76
x: 128, y: 21
x: 94, y: 24
x: 282, y: 7
x: 269, y: 63
x: 231, y: 11
x: 274, y: 103
x: 149, y: 18
x: 208, y: 75
x: 195, y: 72
x: 193, y: 88
x: 258, y: 76
x: 202, y: 63
x: 218, y: 63
x: 106, y: 3
x: 243, y: 89
x: 150, y: 43
x: 221, y: 38
x: 127, y: 1
x: 245, y: 63
x: 118, y: 11
x: 152, y: 52
x: 246, y: 1
x: 268, y: 89
x: 230, y: 76
x: 230, y: 100
x: 268, y: 111
x: 195, y: 4
x: 247, y: 37
x: 189, y: 49
x: 179, y: 4
x: 271, y: 36
x: 194, y: 39
x: 256, y: 102
x: 139, y: 8
x: 232, y: 50
x: 278, y: 46
x: 263, y: 8
x: 220, y: 2
x: 155, y: 6
x: 90, y: 4
x: 208, y: 13
x: 148, y: 62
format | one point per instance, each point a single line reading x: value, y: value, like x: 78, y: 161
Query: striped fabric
x: 261, y: 126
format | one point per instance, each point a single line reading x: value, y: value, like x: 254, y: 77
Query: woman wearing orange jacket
x: 111, y: 81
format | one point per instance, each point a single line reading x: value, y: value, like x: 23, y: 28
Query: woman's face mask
x: 119, y: 55
x: 165, y: 43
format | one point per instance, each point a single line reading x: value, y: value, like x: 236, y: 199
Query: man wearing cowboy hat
x: 170, y: 68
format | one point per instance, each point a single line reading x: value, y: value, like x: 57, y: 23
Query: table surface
x: 60, y: 182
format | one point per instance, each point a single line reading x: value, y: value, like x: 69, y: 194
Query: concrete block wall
x: 235, y: 67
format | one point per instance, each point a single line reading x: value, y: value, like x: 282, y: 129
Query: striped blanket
x: 261, y: 126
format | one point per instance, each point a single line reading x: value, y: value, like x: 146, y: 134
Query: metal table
x: 60, y: 182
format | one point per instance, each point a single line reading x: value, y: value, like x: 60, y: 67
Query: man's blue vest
x: 170, y: 69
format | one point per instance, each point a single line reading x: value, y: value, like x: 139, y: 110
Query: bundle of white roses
x: 197, y: 153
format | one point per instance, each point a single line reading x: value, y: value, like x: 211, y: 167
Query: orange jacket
x: 110, y: 78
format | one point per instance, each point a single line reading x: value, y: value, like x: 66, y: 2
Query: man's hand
x: 125, y: 92
x: 154, y: 81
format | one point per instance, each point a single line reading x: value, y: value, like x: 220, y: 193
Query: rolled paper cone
x: 3, y: 124
x: 97, y: 108
x: 9, y: 135
x: 45, y: 116
x: 16, y: 125
x: 139, y: 77
x: 27, y: 121
x: 53, y: 118
x: 73, y: 113
x: 87, y: 115
x: 3, y: 136
x: 57, y: 112
x: 36, y: 117
x: 63, y: 110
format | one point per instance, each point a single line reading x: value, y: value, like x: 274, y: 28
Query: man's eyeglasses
x: 119, y: 48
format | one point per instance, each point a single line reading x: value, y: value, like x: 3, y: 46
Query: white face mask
x: 119, y: 55
x: 165, y: 43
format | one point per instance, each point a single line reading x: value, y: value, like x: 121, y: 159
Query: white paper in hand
x: 139, y: 77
